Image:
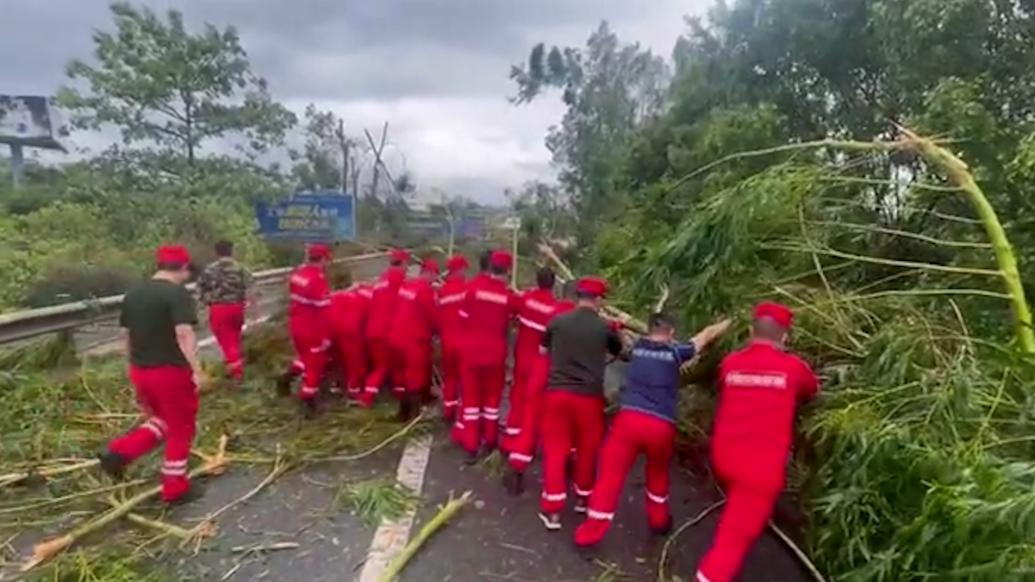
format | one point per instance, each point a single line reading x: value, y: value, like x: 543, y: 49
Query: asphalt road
x: 497, y: 538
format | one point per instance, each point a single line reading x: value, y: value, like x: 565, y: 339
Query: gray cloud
x: 436, y: 60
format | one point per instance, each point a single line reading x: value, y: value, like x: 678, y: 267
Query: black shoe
x: 581, y: 504
x: 551, y: 521
x: 195, y: 493
x: 409, y: 405
x: 309, y: 408
x: 284, y: 384
x: 514, y: 482
x: 472, y: 458
x: 113, y: 464
x: 587, y: 553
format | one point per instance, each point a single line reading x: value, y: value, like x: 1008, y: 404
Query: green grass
x: 375, y: 500
x: 53, y: 410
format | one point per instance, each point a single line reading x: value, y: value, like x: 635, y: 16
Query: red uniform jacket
x: 309, y: 304
x: 382, y: 303
x: 450, y: 298
x: 349, y: 311
x: 535, y: 309
x: 540, y: 367
x: 760, y: 387
x: 310, y: 295
x: 487, y: 309
x: 416, y: 314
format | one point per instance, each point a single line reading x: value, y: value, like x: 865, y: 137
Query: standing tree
x: 324, y: 162
x: 610, y: 89
x: 157, y: 82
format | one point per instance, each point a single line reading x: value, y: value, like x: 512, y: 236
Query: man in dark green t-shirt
x: 157, y: 321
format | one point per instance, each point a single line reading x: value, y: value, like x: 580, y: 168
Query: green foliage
x: 157, y: 82
x: 94, y: 239
x: 916, y: 461
x: 375, y: 500
x: 100, y: 566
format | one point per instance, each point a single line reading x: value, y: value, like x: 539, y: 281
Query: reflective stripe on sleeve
x: 531, y: 324
x: 657, y: 498
x: 310, y: 302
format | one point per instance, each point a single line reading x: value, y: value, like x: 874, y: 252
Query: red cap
x: 399, y: 256
x: 781, y: 314
x: 318, y: 251
x: 429, y: 265
x: 501, y: 260
x: 172, y: 254
x: 595, y: 286
x: 456, y: 263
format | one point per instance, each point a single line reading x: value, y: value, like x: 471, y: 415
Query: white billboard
x: 32, y: 121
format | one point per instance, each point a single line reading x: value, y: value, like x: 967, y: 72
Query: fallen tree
x: 917, y: 459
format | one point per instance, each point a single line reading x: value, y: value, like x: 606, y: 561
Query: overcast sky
x: 436, y: 70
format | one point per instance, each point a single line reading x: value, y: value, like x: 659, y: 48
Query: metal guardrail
x: 23, y: 325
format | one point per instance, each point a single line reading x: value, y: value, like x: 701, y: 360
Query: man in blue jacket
x: 645, y: 423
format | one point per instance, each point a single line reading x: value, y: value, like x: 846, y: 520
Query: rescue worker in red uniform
x: 645, y: 424
x: 379, y: 327
x: 225, y: 287
x: 450, y: 297
x: 348, y: 314
x: 535, y: 308
x: 523, y: 446
x: 487, y: 311
x: 760, y: 387
x: 457, y: 432
x: 415, y: 322
x: 309, y: 325
x: 578, y: 343
x: 157, y: 321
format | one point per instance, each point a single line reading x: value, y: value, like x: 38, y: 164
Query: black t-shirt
x: 578, y: 343
x: 151, y: 312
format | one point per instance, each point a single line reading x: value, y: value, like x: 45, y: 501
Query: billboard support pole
x: 17, y: 164
x: 355, y: 214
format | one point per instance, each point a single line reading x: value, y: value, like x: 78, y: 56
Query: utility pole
x: 17, y: 164
x: 345, y: 144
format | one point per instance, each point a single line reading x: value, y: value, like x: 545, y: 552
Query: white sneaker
x: 551, y: 521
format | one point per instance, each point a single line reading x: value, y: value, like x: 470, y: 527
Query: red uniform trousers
x: 381, y: 361
x: 482, y: 387
x: 353, y: 358
x: 522, y: 447
x: 311, y: 355
x: 632, y: 434
x: 413, y: 361
x: 752, y: 482
x: 168, y: 397
x: 227, y: 321
x: 450, y: 378
x: 570, y: 419
x: 523, y: 358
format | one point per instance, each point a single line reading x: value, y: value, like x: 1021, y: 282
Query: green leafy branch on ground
x: 376, y: 500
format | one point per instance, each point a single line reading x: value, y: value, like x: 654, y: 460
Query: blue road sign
x: 309, y: 216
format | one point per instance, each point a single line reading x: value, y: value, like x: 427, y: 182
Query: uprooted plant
x: 917, y: 459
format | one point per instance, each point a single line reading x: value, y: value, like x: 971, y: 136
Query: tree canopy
x: 157, y: 82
